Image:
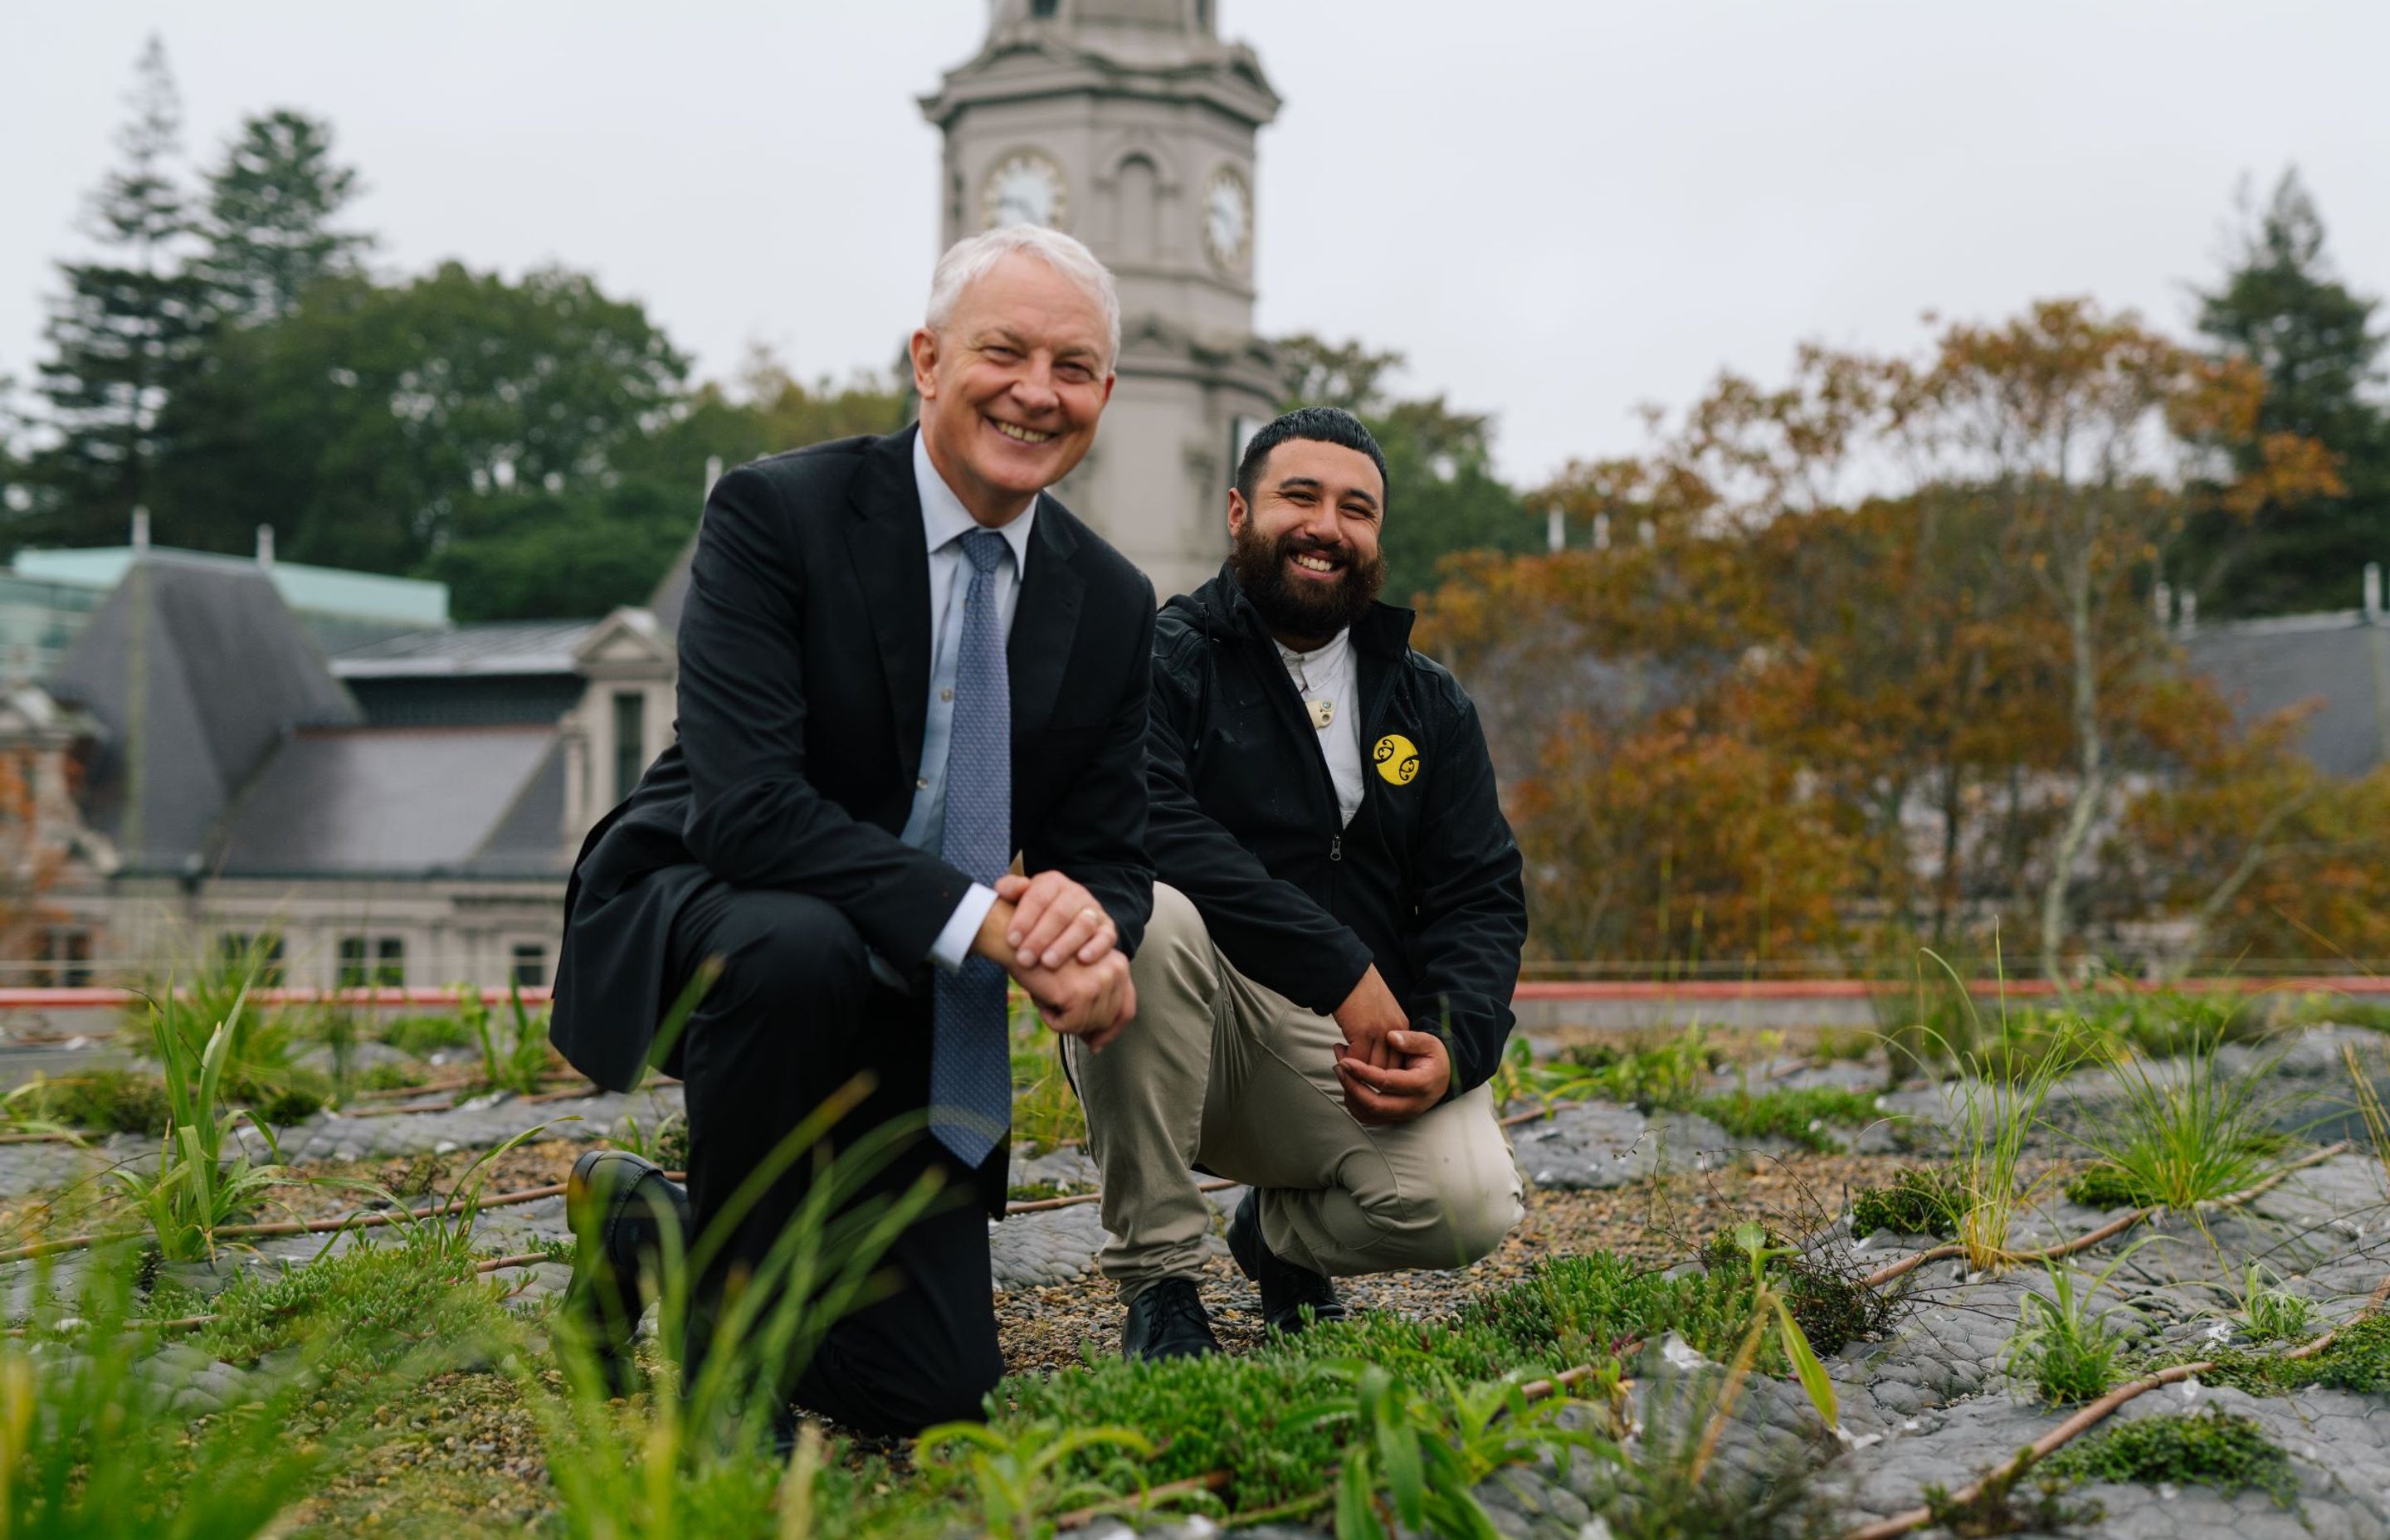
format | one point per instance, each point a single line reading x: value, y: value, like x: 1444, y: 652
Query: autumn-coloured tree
x: 31, y: 861
x: 2257, y: 852
x: 2090, y: 439
x: 1906, y: 595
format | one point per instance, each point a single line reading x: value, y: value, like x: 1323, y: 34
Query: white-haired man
x: 900, y: 664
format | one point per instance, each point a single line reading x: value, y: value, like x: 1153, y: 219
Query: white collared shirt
x: 945, y: 521
x: 1327, y: 673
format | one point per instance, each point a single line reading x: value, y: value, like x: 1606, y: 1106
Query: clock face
x: 1227, y: 219
x: 1025, y: 188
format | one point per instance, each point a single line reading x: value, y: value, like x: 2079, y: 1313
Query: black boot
x: 1167, y: 1321
x: 618, y: 1204
x: 1287, y: 1291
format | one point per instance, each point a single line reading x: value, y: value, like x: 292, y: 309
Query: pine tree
x: 2281, y: 309
x: 267, y: 229
x: 126, y: 326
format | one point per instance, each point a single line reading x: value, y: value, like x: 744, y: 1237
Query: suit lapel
x: 891, y: 563
x: 1045, y: 621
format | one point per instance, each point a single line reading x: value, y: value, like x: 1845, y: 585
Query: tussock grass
x: 1991, y: 1131
x: 197, y: 1186
x: 2061, y: 1348
x: 2187, y: 1131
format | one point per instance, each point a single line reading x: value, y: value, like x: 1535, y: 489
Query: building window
x: 531, y: 964
x: 257, y: 957
x: 377, y: 960
x: 1138, y: 187
x: 630, y: 740
x: 66, y: 958
x: 1044, y: 10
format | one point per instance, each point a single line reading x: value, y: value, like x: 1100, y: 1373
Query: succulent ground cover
x: 1761, y: 1290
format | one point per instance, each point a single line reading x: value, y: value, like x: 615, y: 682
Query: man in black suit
x: 900, y: 664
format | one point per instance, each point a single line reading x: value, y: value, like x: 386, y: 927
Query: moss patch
x: 1802, y: 1117
x: 2214, y: 1448
x: 2359, y: 1359
x: 1917, y: 1201
x: 112, y: 1101
x: 365, y: 1308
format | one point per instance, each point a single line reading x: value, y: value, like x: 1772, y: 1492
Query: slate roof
x: 492, y: 648
x: 2336, y: 660
x: 404, y: 801
x: 194, y: 671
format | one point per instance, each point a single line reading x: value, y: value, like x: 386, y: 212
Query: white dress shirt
x: 1327, y: 674
x: 945, y: 521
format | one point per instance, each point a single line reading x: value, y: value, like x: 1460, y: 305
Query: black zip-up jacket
x: 1424, y: 881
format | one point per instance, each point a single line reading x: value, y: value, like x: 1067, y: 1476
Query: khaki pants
x: 1219, y: 1071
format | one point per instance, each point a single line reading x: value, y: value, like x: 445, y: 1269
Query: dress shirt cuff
x: 954, y: 943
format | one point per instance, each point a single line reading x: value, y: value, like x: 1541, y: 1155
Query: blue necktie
x: 970, y: 1059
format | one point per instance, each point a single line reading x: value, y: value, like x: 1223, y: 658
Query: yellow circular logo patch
x: 1396, y: 758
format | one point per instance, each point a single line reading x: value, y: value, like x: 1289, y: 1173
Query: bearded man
x: 1323, y: 987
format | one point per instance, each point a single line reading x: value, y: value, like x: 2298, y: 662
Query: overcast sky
x: 1558, y: 209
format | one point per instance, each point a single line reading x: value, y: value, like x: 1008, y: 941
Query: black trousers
x: 793, y: 1016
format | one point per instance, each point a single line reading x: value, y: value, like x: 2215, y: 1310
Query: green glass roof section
x: 311, y: 590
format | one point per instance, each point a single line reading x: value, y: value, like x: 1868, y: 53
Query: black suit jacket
x: 804, y: 680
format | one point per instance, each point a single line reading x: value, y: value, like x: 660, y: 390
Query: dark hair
x: 1321, y: 424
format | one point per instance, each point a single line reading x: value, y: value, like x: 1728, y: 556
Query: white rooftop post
x: 1555, y: 529
x: 140, y: 530
x: 2374, y: 592
x: 265, y: 547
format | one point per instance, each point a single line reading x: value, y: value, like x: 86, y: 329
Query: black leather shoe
x: 618, y: 1204
x: 1287, y: 1291
x: 1167, y: 1321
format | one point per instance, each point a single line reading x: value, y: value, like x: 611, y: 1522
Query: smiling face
x: 1011, y: 386
x: 1305, y: 549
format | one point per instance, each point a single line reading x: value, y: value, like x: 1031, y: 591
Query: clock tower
x: 1130, y: 124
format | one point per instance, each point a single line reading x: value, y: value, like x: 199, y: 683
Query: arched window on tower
x: 1137, y: 206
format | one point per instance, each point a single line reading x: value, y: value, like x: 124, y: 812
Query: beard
x: 1292, y: 606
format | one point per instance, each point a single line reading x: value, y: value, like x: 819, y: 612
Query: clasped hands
x: 1052, y: 936
x: 1390, y: 1073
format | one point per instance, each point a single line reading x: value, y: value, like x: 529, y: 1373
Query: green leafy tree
x: 268, y: 228
x: 266, y: 236
x: 2281, y: 309
x: 584, y: 550
x: 1442, y: 494
x: 393, y: 428
x: 120, y: 335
